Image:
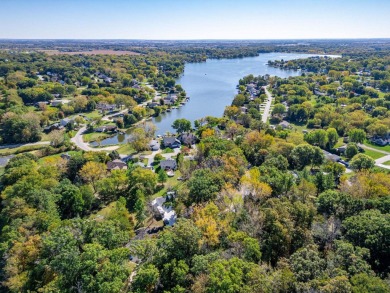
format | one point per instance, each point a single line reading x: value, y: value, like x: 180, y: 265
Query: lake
x: 211, y: 86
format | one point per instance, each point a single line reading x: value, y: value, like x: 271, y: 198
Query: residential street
x: 266, y: 113
x: 378, y: 162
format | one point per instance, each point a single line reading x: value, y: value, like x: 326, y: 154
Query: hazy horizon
x: 195, y: 20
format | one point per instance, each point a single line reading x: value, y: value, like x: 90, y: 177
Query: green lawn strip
x: 93, y: 114
x: 94, y: 136
x: 22, y: 149
x: 373, y: 154
x: 377, y: 147
x: 387, y: 163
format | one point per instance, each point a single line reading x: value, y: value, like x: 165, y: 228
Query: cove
x: 211, y: 86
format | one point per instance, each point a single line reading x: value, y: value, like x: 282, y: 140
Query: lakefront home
x: 188, y: 139
x: 171, y: 142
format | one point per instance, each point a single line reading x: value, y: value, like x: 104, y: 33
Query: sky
x: 194, y: 19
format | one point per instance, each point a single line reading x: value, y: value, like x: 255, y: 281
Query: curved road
x: 78, y: 140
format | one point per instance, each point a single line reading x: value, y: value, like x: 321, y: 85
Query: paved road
x: 267, y: 108
x: 12, y: 146
x: 379, y: 162
x: 79, y: 142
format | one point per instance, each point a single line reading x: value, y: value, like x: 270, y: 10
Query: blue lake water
x: 211, y: 86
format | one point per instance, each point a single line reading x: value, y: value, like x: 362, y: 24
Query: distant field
x: 92, y: 52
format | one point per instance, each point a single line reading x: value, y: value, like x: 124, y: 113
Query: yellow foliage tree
x: 92, y: 172
x: 253, y: 187
x: 206, y: 219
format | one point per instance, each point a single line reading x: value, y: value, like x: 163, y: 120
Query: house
x: 154, y: 145
x: 116, y: 165
x: 379, y: 141
x: 168, y: 165
x: 171, y: 142
x: 65, y: 156
x: 105, y: 107
x: 56, y: 103
x: 188, y: 138
x: 163, y: 211
x: 106, y: 128
x: 66, y: 121
x: 341, y: 150
x: 284, y: 124
x: 170, y: 99
x: 153, y: 105
x: 331, y: 157
x: 55, y: 126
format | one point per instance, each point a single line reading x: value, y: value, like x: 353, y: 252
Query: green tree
x: 371, y: 229
x: 351, y: 150
x: 362, y: 283
x: 362, y: 162
x: 333, y: 137
x: 181, y: 125
x: 162, y: 176
x: 146, y: 279
x: 357, y: 135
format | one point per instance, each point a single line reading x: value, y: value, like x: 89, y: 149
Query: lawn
x: 125, y: 149
x: 171, y: 183
x: 381, y: 148
x: 93, y: 114
x: 387, y: 163
x: 373, y: 154
x: 94, y: 136
x: 42, y: 160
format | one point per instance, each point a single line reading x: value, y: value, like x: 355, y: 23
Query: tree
x: 278, y: 109
x: 351, y: 150
x: 181, y: 125
x: 20, y: 128
x: 203, y: 185
x: 71, y: 203
x: 307, y: 264
x: 303, y: 155
x: 362, y: 283
x: 333, y: 137
x: 362, y: 162
x: 357, y: 135
x: 162, y: 176
x: 139, y: 208
x: 371, y: 229
x: 139, y: 140
x: 146, y: 279
x: 142, y: 179
x: 92, y: 172
x: 56, y: 138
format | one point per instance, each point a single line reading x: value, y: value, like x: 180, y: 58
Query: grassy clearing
x: 125, y: 149
x: 93, y: 114
x: 42, y: 160
x: 387, y: 163
x: 94, y: 136
x: 373, y: 154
